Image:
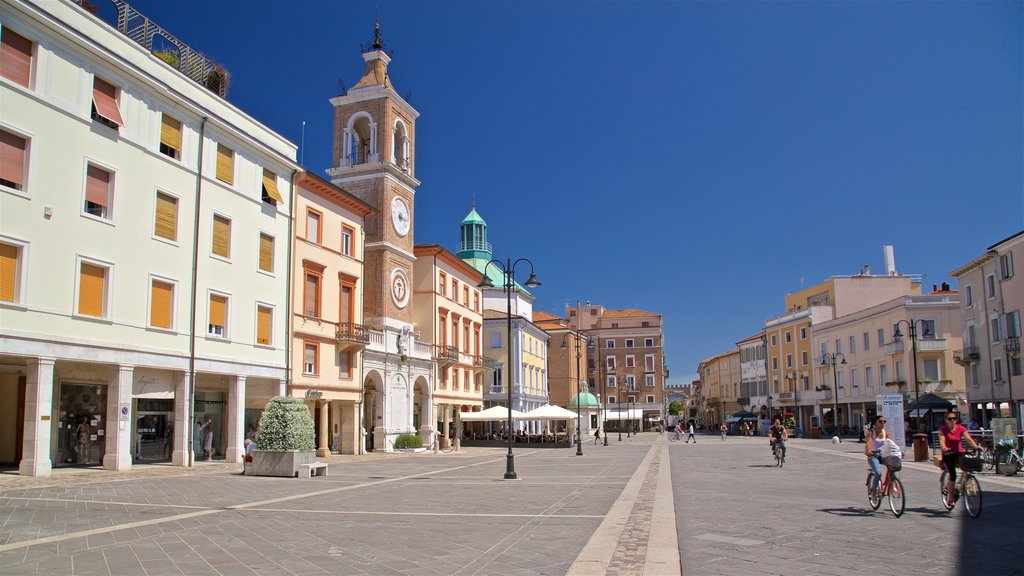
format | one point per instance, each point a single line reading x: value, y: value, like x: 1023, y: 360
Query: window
x: 346, y: 240
x: 839, y: 380
x: 495, y: 338
x: 313, y: 226
x: 264, y: 325
x: 853, y: 344
x: 803, y: 358
x: 990, y: 286
x: 629, y: 382
x: 465, y: 295
x: 455, y: 379
x: 789, y: 360
x: 650, y: 399
x: 789, y: 337
x: 899, y: 371
x: 649, y: 342
x: 345, y: 364
x: 311, y: 295
x: 839, y: 346
x: 270, y: 194
x: 993, y: 329
x: 629, y: 343
x: 93, y: 285
x: 1013, y: 324
x: 615, y: 324
x: 881, y: 337
x: 610, y: 363
x: 476, y: 301
x: 1006, y: 266
x: 161, y: 304
x: 1015, y: 366
x: 346, y: 308
x: 775, y: 341
x: 165, y: 223
x: 649, y: 362
x: 170, y: 137
x: 931, y: 369
x: 867, y: 341
x: 883, y: 374
x: 775, y: 363
x: 610, y: 381
x: 104, y: 104
x: 609, y: 343
x: 824, y: 349
x: 997, y: 369
x: 854, y: 383
x: 803, y: 333
x: 775, y: 385
x: 310, y: 357
x: 868, y: 379
x: 455, y: 289
x: 974, y: 376
x: 225, y: 164
x: 99, y: 187
x: 217, y: 325
x: 443, y: 376
x: 630, y: 361
x: 221, y: 245
x: 266, y: 252
x: 15, y: 57
x: 12, y: 159
x: 442, y: 284
x: 968, y: 296
x: 649, y: 380
x: 11, y: 258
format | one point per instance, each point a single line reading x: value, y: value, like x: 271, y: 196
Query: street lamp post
x: 771, y: 416
x: 827, y: 359
x: 595, y: 345
x: 508, y: 270
x: 579, y: 392
x: 618, y: 423
x: 896, y: 335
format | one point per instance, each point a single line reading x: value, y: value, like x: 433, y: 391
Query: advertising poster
x: 891, y: 407
x: 1003, y: 431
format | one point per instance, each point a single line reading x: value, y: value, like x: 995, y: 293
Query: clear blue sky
x: 697, y: 159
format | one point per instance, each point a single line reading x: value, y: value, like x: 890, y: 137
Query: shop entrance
x: 208, y: 433
x: 153, y: 433
x: 82, y: 425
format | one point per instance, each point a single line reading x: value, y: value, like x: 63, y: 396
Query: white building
x: 112, y: 295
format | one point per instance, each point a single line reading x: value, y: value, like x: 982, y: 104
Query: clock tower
x: 374, y: 159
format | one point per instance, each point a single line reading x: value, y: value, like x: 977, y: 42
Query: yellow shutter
x: 170, y: 133
x: 160, y: 304
x: 266, y: 253
x: 221, y: 236
x: 90, y: 290
x: 8, y: 272
x: 225, y: 164
x: 270, y: 186
x: 217, y: 308
x: 166, y: 216
x: 263, y: 316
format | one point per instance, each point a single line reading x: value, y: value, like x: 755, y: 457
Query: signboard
x: 890, y: 406
x: 314, y: 394
x: 122, y: 412
x: 1004, y: 431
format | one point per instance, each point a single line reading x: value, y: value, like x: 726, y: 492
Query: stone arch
x: 422, y: 409
x: 373, y: 407
x: 360, y: 142
x: 400, y: 145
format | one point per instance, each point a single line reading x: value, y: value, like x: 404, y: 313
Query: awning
x: 549, y: 412
x: 623, y: 414
x: 166, y: 395
x: 923, y: 412
x: 270, y: 187
x: 492, y: 414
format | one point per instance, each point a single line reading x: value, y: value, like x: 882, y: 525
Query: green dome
x: 473, y: 218
x: 586, y: 399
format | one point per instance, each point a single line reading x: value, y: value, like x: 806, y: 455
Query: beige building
x: 328, y: 335
x: 720, y: 378
x: 991, y: 300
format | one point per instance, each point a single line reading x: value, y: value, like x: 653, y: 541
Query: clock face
x: 400, y: 216
x: 399, y: 288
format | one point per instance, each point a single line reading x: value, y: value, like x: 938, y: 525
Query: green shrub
x: 286, y: 425
x: 789, y: 422
x: 408, y: 441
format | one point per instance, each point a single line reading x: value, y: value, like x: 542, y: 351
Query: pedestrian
x: 746, y: 429
x: 690, y: 432
x: 198, y: 438
x: 597, y: 436
x: 723, y: 430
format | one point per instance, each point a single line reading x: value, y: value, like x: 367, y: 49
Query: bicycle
x: 1009, y: 462
x: 434, y: 446
x: 988, y: 457
x: 890, y: 486
x: 966, y: 484
x: 779, y: 451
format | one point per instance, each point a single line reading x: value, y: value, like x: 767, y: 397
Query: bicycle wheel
x: 897, y: 498
x: 972, y: 496
x: 778, y: 457
x: 988, y: 456
x: 1008, y: 465
x: 874, y: 496
x: 942, y: 489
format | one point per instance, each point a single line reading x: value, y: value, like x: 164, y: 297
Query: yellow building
x: 720, y: 387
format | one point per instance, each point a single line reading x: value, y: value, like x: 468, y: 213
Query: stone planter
x: 284, y: 463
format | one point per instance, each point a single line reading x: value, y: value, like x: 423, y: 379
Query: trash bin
x: 920, y: 447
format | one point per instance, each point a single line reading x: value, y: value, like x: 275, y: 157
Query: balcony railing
x: 893, y: 348
x: 1012, y: 345
x: 355, y: 333
x: 967, y: 356
x: 478, y: 361
x: 931, y: 344
x: 446, y: 354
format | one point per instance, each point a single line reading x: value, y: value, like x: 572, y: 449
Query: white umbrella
x: 549, y: 412
x: 492, y: 414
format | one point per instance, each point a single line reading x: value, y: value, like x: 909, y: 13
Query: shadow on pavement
x: 990, y: 543
x: 848, y: 511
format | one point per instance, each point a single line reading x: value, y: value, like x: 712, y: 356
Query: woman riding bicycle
x: 873, y: 449
x: 777, y: 433
x: 951, y: 435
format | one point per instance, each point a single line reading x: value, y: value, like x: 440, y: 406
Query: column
x: 447, y: 421
x: 282, y: 388
x: 35, y: 460
x: 182, y: 407
x: 458, y: 427
x: 323, y: 450
x: 117, y: 454
x: 235, y: 451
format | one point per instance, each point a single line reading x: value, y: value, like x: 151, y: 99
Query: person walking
x: 690, y: 436
x: 597, y: 436
x: 723, y: 430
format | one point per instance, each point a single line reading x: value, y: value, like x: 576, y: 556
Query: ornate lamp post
x: 508, y: 270
x: 896, y: 335
x: 579, y: 391
x: 595, y: 345
x: 827, y: 359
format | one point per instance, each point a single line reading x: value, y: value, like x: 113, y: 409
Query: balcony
x: 352, y: 336
x: 893, y: 348
x: 446, y: 355
x: 609, y: 370
x: 967, y: 356
x: 931, y: 345
x: 743, y: 400
x: 1012, y: 345
x: 786, y: 396
x: 478, y: 361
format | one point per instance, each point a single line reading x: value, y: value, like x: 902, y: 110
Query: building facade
x: 753, y: 376
x: 138, y: 212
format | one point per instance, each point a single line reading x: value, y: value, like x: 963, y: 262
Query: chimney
x: 935, y: 288
x: 890, y: 260
x: 866, y: 271
x: 945, y: 286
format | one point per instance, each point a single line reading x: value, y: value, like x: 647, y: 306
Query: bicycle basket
x: 970, y: 463
x: 894, y: 463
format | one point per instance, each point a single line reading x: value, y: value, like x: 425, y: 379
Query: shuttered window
x: 266, y: 252
x: 225, y: 164
x: 170, y: 137
x: 218, y: 315
x: 15, y: 57
x: 264, y: 317
x: 166, y: 225
x: 97, y: 192
x: 270, y: 192
x: 312, y: 227
x: 221, y: 236
x: 309, y: 359
x: 161, y: 305
x: 104, y: 103
x: 311, y: 296
x: 345, y: 364
x: 9, y: 273
x: 346, y: 304
x: 12, y: 160
x: 92, y: 282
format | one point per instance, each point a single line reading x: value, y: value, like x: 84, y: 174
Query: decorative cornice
x: 322, y: 187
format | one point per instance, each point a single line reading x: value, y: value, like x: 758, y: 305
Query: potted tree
x: 285, y: 440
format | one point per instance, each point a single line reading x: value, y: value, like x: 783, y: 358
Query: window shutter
x: 221, y: 236
x: 312, y: 227
x: 104, y: 99
x: 170, y: 133
x: 12, y: 160
x: 270, y: 186
x: 97, y: 186
x: 8, y: 272
x: 266, y: 253
x: 166, y: 216
x: 90, y: 290
x: 346, y: 304
x: 263, y: 317
x: 15, y: 57
x: 311, y: 289
x: 160, y: 304
x: 310, y: 355
x: 218, y: 306
x: 225, y: 164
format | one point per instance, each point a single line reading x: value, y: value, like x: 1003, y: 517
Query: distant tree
x: 675, y: 407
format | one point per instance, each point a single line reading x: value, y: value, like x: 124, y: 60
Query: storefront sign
x: 314, y: 394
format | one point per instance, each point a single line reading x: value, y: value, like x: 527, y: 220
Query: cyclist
x: 777, y: 433
x: 873, y: 448
x: 951, y: 435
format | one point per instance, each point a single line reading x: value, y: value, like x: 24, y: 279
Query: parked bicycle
x: 967, y: 485
x: 1009, y: 462
x: 890, y: 486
